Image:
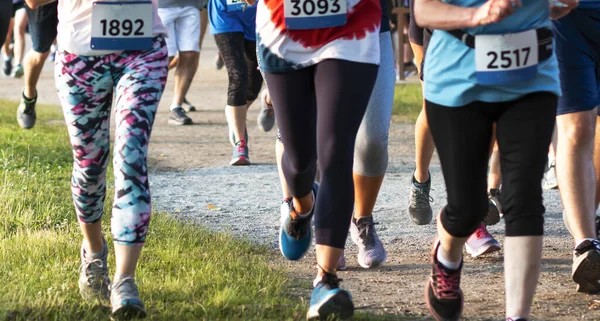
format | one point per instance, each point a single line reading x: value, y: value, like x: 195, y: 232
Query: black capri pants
x: 5, y: 16
x: 319, y: 110
x: 462, y: 138
x: 239, y: 56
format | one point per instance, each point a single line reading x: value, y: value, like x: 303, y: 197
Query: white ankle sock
x: 173, y: 107
x: 447, y: 263
x: 306, y: 214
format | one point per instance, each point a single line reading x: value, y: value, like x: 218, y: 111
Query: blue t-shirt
x: 222, y: 20
x: 450, y: 78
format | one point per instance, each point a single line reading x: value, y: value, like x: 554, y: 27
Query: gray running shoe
x: 7, y: 69
x: 419, y: 204
x: 370, y: 249
x: 549, y: 181
x: 93, y: 276
x: 187, y: 106
x: 26, y: 115
x: 125, y: 300
x: 266, y: 116
x: 494, y: 208
x: 240, y: 154
x: 586, y: 266
x: 178, y: 117
x: 18, y: 72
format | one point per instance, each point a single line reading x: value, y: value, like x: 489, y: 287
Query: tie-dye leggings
x: 87, y: 86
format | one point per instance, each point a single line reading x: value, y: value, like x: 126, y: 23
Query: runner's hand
x: 250, y: 2
x: 562, y: 8
x: 494, y: 11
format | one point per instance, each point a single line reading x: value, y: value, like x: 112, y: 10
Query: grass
x: 186, y: 272
x: 408, y: 102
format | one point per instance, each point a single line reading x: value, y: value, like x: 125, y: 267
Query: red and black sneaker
x: 442, y: 293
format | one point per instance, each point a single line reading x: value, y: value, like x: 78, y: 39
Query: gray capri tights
x: 371, y: 149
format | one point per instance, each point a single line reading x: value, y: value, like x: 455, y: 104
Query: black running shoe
x: 586, y: 266
x: 443, y: 295
x: 178, y: 117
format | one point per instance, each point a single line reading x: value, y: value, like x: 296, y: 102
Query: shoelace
x: 366, y: 232
x: 93, y: 270
x: 421, y: 196
x: 241, y: 146
x: 482, y: 232
x: 329, y: 279
x: 29, y: 107
x: 297, y: 227
x: 446, y: 284
x: 125, y: 287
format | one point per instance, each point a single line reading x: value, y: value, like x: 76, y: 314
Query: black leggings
x: 336, y: 93
x: 462, y: 137
x: 239, y: 56
x: 5, y: 16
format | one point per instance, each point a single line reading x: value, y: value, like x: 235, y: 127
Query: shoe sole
x: 128, y: 312
x: 587, y: 272
x: 436, y: 316
x: 489, y: 248
x: 240, y: 161
x: 338, y: 306
x: 178, y: 123
x: 281, y: 232
x: 550, y: 187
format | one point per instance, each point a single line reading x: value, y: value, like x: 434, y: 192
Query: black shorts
x: 42, y: 26
x: 5, y: 10
x: 17, y: 6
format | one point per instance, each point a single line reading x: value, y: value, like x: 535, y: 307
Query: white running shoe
x: 481, y: 242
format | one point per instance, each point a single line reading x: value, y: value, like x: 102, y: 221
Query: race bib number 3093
x: 122, y: 25
x: 314, y: 14
x: 504, y: 59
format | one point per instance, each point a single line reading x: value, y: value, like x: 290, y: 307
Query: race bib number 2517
x: 504, y: 59
x: 122, y: 25
x: 314, y: 14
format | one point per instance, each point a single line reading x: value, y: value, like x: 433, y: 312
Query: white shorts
x: 183, y: 25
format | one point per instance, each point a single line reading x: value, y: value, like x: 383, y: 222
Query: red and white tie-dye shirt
x: 281, y: 49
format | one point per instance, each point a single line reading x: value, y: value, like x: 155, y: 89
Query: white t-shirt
x: 75, y: 26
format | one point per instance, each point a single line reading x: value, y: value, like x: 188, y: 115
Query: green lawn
x: 186, y: 272
x: 408, y: 102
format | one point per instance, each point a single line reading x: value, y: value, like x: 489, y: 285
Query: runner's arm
x: 436, y: 14
x: 37, y: 3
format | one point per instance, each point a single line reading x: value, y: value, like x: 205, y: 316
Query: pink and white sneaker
x: 481, y: 242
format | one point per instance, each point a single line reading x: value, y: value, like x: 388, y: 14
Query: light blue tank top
x: 450, y: 78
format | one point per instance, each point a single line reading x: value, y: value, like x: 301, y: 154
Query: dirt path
x: 189, y: 172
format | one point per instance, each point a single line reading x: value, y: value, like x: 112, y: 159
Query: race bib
x: 122, y: 25
x: 504, y: 59
x: 235, y: 5
x: 314, y: 14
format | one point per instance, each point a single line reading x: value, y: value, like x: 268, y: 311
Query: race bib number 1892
x: 122, y: 25
x: 505, y: 59
x: 314, y: 14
